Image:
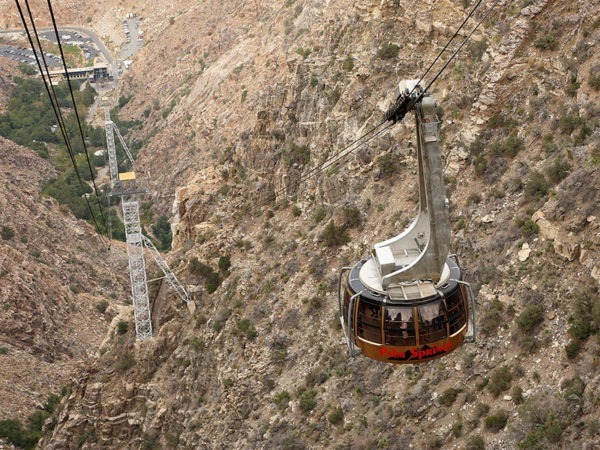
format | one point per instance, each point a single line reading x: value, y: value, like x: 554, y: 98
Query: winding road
x: 92, y: 36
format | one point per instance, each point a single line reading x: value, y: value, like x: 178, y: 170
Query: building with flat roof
x: 100, y: 71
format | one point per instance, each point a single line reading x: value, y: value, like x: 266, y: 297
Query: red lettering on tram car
x: 418, y: 353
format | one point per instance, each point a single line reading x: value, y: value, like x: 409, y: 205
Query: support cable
x: 446, y: 46
x: 327, y: 163
x: 338, y: 156
x: 54, y: 103
x: 87, y: 156
x: 459, y: 48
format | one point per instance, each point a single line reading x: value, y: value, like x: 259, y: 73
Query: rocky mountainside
x: 55, y: 277
x: 239, y: 100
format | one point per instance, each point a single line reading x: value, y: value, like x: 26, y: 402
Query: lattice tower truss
x: 110, y: 148
x: 136, y: 241
x: 137, y: 269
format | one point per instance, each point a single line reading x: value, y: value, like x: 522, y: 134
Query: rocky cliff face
x: 54, y: 275
x: 241, y: 99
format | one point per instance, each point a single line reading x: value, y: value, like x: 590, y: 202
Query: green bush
x: 547, y: 42
x: 352, y: 217
x: 530, y: 318
x: 296, y: 211
x: 388, y: 51
x: 122, y: 327
x: 500, y: 380
x: 224, y: 263
x: 496, y: 421
x: 125, y: 361
x: 528, y: 227
x: 336, y: 416
x: 282, y: 399
x: 307, y: 400
x: 537, y: 187
x: 296, y: 154
x: 212, y: 280
x: 162, y: 231
x: 335, y: 236
x: 569, y: 123
x: 319, y: 214
x: 348, y: 64
x: 389, y: 164
x: 303, y: 52
x: 594, y: 79
x: 475, y: 443
x: 26, y: 69
x: 558, y: 171
x: 247, y: 328
x: 448, y: 397
x: 7, y: 233
x: 101, y: 306
x: 13, y: 431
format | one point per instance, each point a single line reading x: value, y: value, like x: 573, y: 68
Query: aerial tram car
x: 406, y: 302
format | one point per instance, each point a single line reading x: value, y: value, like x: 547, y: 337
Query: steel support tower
x: 136, y: 241
x: 137, y: 269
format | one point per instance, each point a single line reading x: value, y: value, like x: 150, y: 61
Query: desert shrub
x: 500, y: 380
x: 101, y: 306
x: 7, y: 233
x: 212, y: 280
x: 530, y: 318
x: 296, y: 211
x: 282, y: 399
x: 547, y: 41
x: 224, y: 263
x: 475, y: 443
x: 388, y: 51
x: 477, y: 49
x: 247, y: 328
x: 547, y: 420
x: 162, y: 231
x: 334, y: 235
x: 496, y: 421
x: 389, y: 164
x: 474, y: 198
x: 537, y: 186
x: 296, y: 154
x: 558, y: 171
x: 196, y: 343
x: 594, y: 79
x: 491, y: 317
x: 319, y: 214
x: 316, y: 377
x: 480, y: 165
x: 125, y: 361
x: 585, y: 318
x: 348, y: 64
x: 336, y: 416
x: 517, y: 394
x: 306, y: 400
x: 305, y: 53
x: 568, y: 123
x: 528, y: 227
x: 122, y: 327
x: 16, y: 434
x: 448, y: 397
x: 352, y: 217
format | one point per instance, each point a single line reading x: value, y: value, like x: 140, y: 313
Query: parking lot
x: 25, y: 56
